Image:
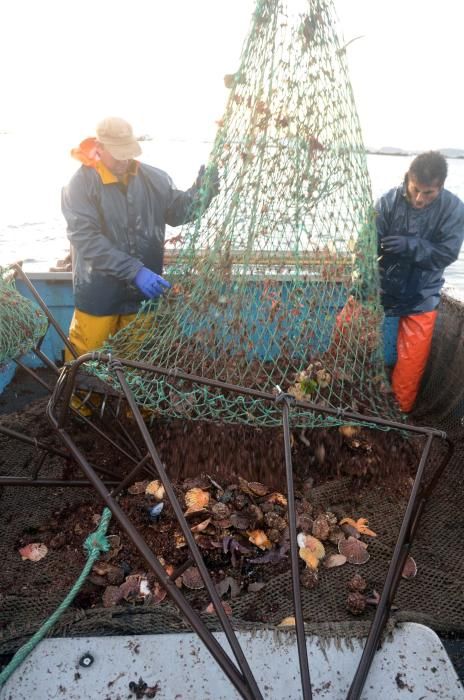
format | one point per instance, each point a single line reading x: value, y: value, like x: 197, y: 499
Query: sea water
x: 32, y: 228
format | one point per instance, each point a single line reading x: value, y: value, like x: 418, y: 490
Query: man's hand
x: 208, y: 179
x: 150, y: 284
x: 394, y: 244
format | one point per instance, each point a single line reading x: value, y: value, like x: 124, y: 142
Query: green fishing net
x: 259, y: 278
x: 22, y: 324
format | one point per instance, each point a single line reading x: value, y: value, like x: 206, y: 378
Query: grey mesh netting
x: 22, y: 324
x: 260, y: 275
x: 31, y: 591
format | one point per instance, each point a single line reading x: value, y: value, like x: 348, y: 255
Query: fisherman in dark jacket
x: 116, y: 210
x: 420, y: 228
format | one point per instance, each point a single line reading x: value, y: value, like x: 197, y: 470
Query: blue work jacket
x: 117, y: 229
x: 411, y: 281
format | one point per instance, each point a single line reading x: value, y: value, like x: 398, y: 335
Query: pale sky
x: 65, y: 64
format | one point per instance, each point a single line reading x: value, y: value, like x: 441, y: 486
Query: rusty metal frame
x: 242, y: 678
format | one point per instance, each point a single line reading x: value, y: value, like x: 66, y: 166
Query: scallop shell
x: 159, y: 593
x: 211, y: 610
x: 335, y: 560
x: 33, y: 552
x: 199, y: 527
x: 287, y: 622
x: 354, y: 550
x: 240, y: 521
x: 349, y: 431
x: 278, y: 498
x: 257, y: 489
x: 312, y: 544
x: 323, y: 378
x: 204, y: 542
x: 357, y: 583
x: 220, y: 511
x: 196, y: 499
x: 155, y: 489
x: 179, y: 540
x: 309, y: 578
x: 138, y: 487
x: 260, y: 539
x: 309, y: 558
x: 111, y: 596
x: 191, y: 579
x: 409, y: 568
x: 130, y: 589
x: 350, y: 530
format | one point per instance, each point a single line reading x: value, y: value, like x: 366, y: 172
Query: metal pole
x: 391, y: 582
x: 215, y: 599
x: 285, y: 400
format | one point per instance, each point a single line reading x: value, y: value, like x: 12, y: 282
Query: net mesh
x: 260, y: 275
x: 29, y: 592
x: 22, y: 324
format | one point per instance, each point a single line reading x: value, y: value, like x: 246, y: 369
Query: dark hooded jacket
x: 411, y: 282
x: 117, y: 229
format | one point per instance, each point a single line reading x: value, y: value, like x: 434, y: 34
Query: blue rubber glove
x: 394, y: 244
x: 150, y: 284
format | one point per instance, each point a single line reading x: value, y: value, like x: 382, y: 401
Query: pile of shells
x: 242, y: 532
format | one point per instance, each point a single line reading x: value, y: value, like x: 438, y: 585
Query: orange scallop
x: 260, y: 539
x: 196, y: 499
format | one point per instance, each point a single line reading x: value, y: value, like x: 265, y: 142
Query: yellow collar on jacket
x: 107, y: 176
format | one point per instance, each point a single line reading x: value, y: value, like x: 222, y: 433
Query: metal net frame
x: 236, y: 666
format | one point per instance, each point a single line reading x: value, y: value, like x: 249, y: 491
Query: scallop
x: 260, y: 539
x: 196, y: 499
x: 33, y: 552
x: 335, y: 560
x: 409, y: 568
x: 191, y: 579
x: 354, y: 550
x: 155, y: 489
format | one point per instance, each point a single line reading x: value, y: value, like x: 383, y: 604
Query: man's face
x: 117, y: 167
x: 420, y: 195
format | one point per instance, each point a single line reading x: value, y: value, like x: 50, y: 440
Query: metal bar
x: 439, y: 471
x: 64, y: 388
x: 33, y: 442
x: 25, y: 481
x: 180, y: 569
x: 130, y: 477
x: 215, y: 599
x: 20, y: 272
x: 197, y: 624
x: 256, y: 393
x: 89, y: 423
x: 122, y: 431
x: 38, y: 466
x: 285, y: 400
x: 46, y: 360
x: 35, y: 376
x: 391, y: 582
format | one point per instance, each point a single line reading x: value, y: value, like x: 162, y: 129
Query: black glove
x: 208, y: 179
x: 394, y: 244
